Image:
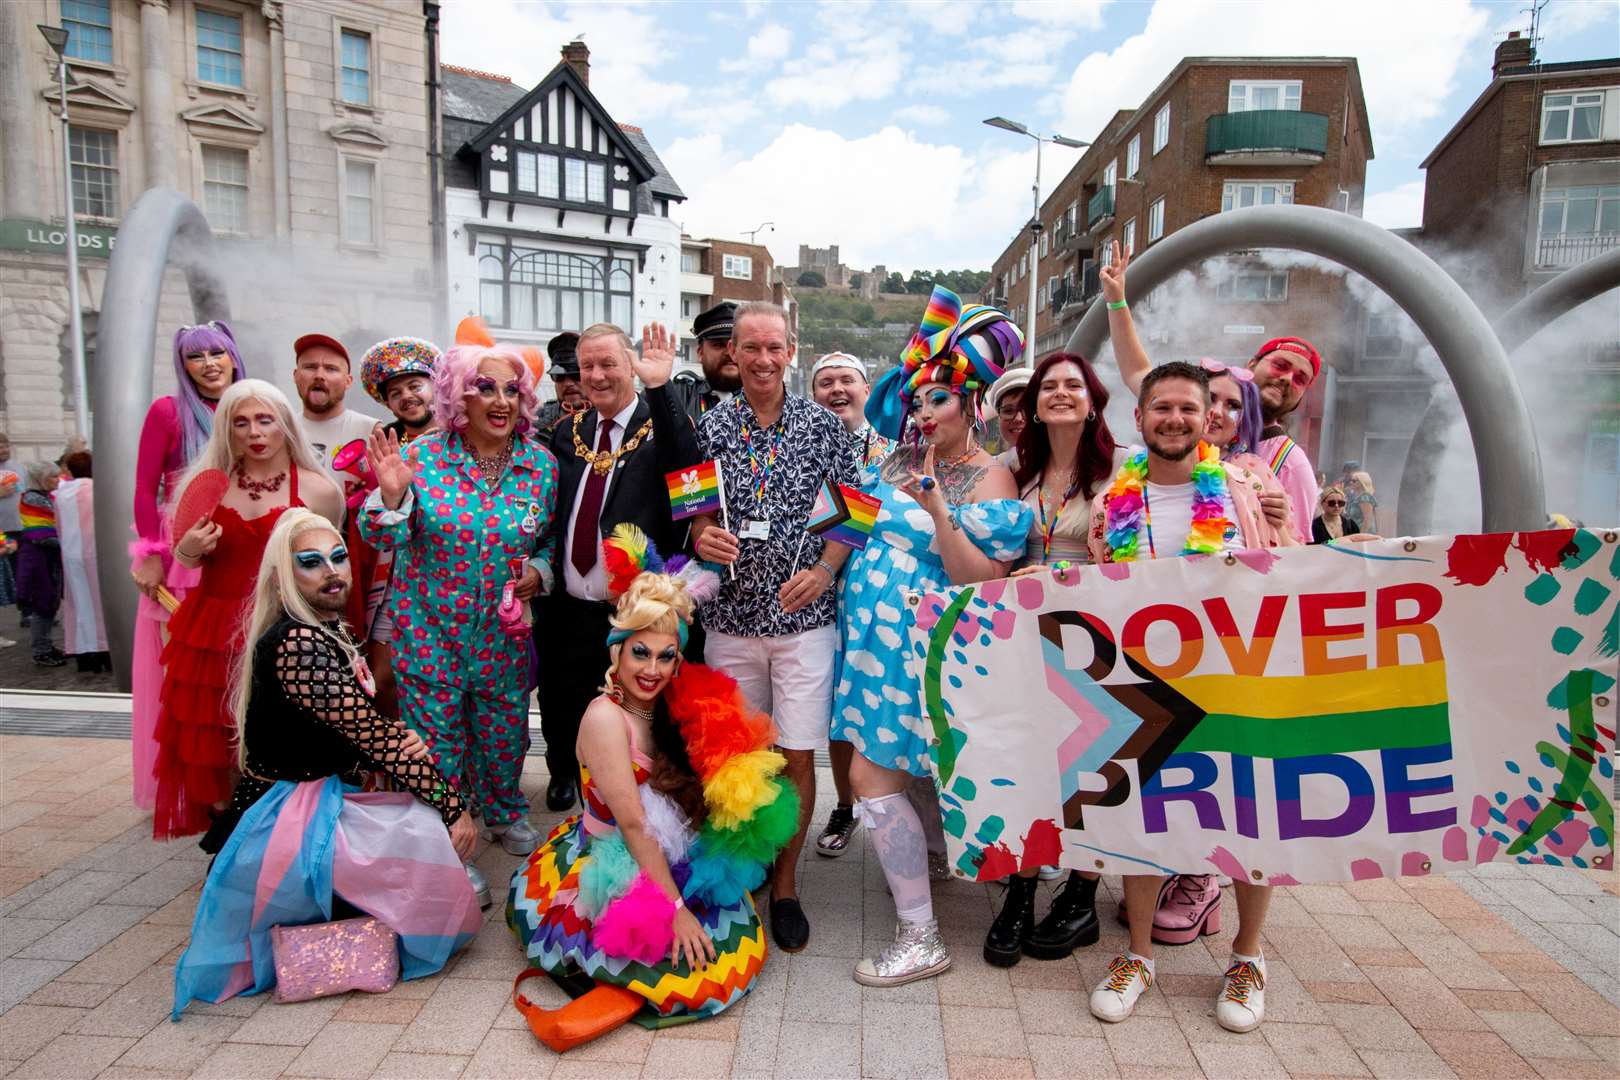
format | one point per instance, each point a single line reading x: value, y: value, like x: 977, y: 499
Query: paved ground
x: 19, y: 672
x: 1506, y: 971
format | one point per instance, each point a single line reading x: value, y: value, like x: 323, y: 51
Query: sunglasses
x: 1284, y: 370
x: 1215, y: 367
x: 310, y: 559
x: 1334, y: 504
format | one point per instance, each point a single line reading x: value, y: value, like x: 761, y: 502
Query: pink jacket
x: 1246, y: 478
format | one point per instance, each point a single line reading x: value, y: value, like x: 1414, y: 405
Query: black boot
x: 1012, y: 927
x: 1071, y: 923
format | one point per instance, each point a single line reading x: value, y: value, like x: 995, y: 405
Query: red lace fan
x: 200, y: 499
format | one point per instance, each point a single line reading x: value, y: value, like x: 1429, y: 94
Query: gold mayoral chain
x: 602, y: 461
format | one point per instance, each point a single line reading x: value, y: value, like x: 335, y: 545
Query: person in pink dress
x: 206, y: 362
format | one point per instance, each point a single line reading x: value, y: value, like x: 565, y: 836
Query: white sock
x: 896, y: 834
x: 1147, y: 961
x: 1239, y: 958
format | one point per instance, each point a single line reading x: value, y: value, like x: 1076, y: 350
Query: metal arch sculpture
x: 1511, y: 486
x: 162, y: 222
x: 1521, y: 322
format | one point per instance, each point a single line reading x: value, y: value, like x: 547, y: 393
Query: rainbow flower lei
x: 1125, y: 508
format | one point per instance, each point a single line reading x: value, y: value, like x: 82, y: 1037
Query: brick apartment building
x: 1525, y: 185
x: 713, y: 270
x: 1218, y: 133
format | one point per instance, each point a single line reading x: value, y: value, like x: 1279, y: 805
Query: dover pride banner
x: 1309, y: 714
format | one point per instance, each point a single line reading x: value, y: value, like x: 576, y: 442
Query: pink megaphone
x: 351, y: 458
x: 513, y: 616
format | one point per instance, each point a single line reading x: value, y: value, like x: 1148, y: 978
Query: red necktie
x: 590, y: 507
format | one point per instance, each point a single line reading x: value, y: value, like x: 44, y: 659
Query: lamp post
x: 1035, y: 218
x: 771, y: 225
x: 57, y: 38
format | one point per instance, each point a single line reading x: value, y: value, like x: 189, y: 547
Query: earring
x: 1038, y: 420
x: 1090, y: 416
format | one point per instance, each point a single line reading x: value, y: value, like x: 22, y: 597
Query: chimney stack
x: 1516, y: 51
x: 577, y: 55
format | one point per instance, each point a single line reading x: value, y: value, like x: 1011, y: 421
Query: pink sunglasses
x: 1215, y: 367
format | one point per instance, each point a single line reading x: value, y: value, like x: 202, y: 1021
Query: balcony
x: 1100, y: 209
x: 1266, y: 137
x: 697, y: 284
x: 1571, y: 249
x: 1070, y: 302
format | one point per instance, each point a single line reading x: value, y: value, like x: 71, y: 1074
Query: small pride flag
x: 844, y: 514
x: 695, y: 490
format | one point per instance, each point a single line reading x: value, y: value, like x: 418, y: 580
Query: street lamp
x: 771, y: 225
x: 1035, y: 220
x: 57, y: 38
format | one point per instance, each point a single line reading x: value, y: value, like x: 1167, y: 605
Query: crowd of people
x: 342, y: 622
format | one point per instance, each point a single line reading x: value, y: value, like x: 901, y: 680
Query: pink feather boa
x: 639, y: 925
x: 140, y: 549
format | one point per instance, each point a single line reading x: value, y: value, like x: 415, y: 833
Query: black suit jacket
x: 637, y: 492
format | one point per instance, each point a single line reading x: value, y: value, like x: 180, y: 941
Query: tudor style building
x: 557, y: 215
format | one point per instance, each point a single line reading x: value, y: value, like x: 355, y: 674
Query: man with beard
x: 1177, y: 498
x: 1284, y: 370
x: 321, y: 375
x: 721, y: 376
x: 563, y: 349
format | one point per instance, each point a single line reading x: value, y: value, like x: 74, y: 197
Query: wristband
x: 1116, y: 305
x: 832, y: 575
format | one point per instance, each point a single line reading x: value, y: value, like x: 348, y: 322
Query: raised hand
x: 924, y: 487
x: 1112, y: 276
x: 394, y: 474
x: 657, y: 360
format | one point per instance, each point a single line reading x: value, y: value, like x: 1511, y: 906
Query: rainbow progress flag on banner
x: 844, y: 514
x: 695, y: 490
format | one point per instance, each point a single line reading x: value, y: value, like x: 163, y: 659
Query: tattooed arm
x: 971, y: 481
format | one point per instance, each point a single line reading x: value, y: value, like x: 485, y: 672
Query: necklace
x: 602, y: 461
x: 972, y: 448
x: 490, y: 468
x: 256, y: 489
x: 1126, y: 514
x: 635, y: 710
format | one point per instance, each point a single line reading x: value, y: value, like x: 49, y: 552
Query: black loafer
x: 560, y: 794
x: 789, y: 928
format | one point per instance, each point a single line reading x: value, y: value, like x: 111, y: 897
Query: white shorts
x: 790, y: 677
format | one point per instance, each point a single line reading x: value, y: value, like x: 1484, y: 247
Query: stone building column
x: 275, y: 16
x: 157, y: 96
x: 25, y: 188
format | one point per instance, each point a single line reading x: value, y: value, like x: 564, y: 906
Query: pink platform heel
x: 1189, y: 907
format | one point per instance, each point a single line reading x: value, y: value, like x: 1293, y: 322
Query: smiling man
x: 322, y: 376
x: 838, y: 383
x: 1284, y: 370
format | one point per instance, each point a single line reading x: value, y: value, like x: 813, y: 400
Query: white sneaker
x: 1115, y: 997
x: 1051, y: 873
x: 1242, y: 1005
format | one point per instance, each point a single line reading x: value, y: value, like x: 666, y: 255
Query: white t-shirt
x: 330, y: 435
x: 1169, y: 519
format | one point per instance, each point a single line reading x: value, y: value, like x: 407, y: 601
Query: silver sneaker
x: 480, y: 884
x: 518, y: 838
x: 917, y: 952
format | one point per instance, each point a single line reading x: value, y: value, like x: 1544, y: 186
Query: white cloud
x: 1085, y: 14
x: 1400, y: 207
x: 1409, y: 53
x: 829, y: 76
x: 767, y: 45
x: 923, y: 115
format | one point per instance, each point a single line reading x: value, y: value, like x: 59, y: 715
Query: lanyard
x: 1048, y: 527
x: 1147, y: 521
x: 761, y: 473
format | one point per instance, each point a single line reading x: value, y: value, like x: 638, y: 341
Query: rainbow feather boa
x: 752, y: 813
x: 1125, y: 508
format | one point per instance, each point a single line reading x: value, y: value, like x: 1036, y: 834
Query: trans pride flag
x: 844, y: 514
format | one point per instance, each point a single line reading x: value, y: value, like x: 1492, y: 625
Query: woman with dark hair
x: 1067, y: 455
x: 206, y: 362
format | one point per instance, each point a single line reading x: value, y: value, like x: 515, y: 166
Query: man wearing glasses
x: 1284, y: 369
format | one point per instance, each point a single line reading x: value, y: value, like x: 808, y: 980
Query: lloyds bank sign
x: 25, y: 235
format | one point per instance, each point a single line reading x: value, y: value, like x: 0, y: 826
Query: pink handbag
x: 333, y: 958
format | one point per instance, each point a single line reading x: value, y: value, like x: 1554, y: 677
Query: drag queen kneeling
x: 299, y: 836
x: 639, y: 906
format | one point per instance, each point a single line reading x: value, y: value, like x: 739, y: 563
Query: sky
x: 858, y: 123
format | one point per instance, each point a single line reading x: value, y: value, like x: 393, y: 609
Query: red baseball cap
x: 309, y: 341
x: 1299, y: 346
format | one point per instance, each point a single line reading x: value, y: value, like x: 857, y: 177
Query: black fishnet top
x: 309, y: 718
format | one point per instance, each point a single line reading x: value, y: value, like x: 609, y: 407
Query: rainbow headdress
x: 628, y: 553
x: 966, y: 348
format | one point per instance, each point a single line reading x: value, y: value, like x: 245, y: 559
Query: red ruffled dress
x: 196, y: 759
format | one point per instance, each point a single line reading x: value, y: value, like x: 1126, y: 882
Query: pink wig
x: 453, y: 384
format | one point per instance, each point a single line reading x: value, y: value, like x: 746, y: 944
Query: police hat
x: 715, y: 324
x: 564, y: 352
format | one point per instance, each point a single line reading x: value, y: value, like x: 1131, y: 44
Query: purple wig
x: 453, y: 384
x: 1251, y: 423
x: 196, y: 417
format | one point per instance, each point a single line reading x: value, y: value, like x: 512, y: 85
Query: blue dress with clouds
x: 877, y: 704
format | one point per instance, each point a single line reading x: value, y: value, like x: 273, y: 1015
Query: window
x: 1247, y: 96
x: 1111, y: 173
x: 1133, y: 156
x: 1161, y: 129
x: 689, y: 305
x: 95, y: 171
x: 1578, y: 223
x: 1254, y: 286
x: 524, y: 288
x: 691, y: 262
x: 355, y: 66
x: 89, y: 27
x: 359, y: 203
x: 595, y: 181
x: 1073, y: 209
x: 547, y: 166
x: 1571, y: 117
x: 219, y: 48
x: 1156, y: 220
x: 1235, y: 195
x: 1043, y: 243
x: 1127, y: 242
x: 740, y: 267
x: 225, y: 188
x: 1107, y: 257
x: 1385, y: 340
x: 574, y: 180
x: 527, y: 167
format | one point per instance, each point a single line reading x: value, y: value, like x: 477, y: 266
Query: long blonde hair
x: 216, y: 452
x: 656, y: 602
x: 275, y: 594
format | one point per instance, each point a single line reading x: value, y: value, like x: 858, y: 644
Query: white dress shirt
x: 593, y: 586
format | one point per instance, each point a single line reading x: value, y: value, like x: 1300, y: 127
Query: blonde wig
x: 275, y: 594
x: 216, y: 452
x: 656, y: 602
